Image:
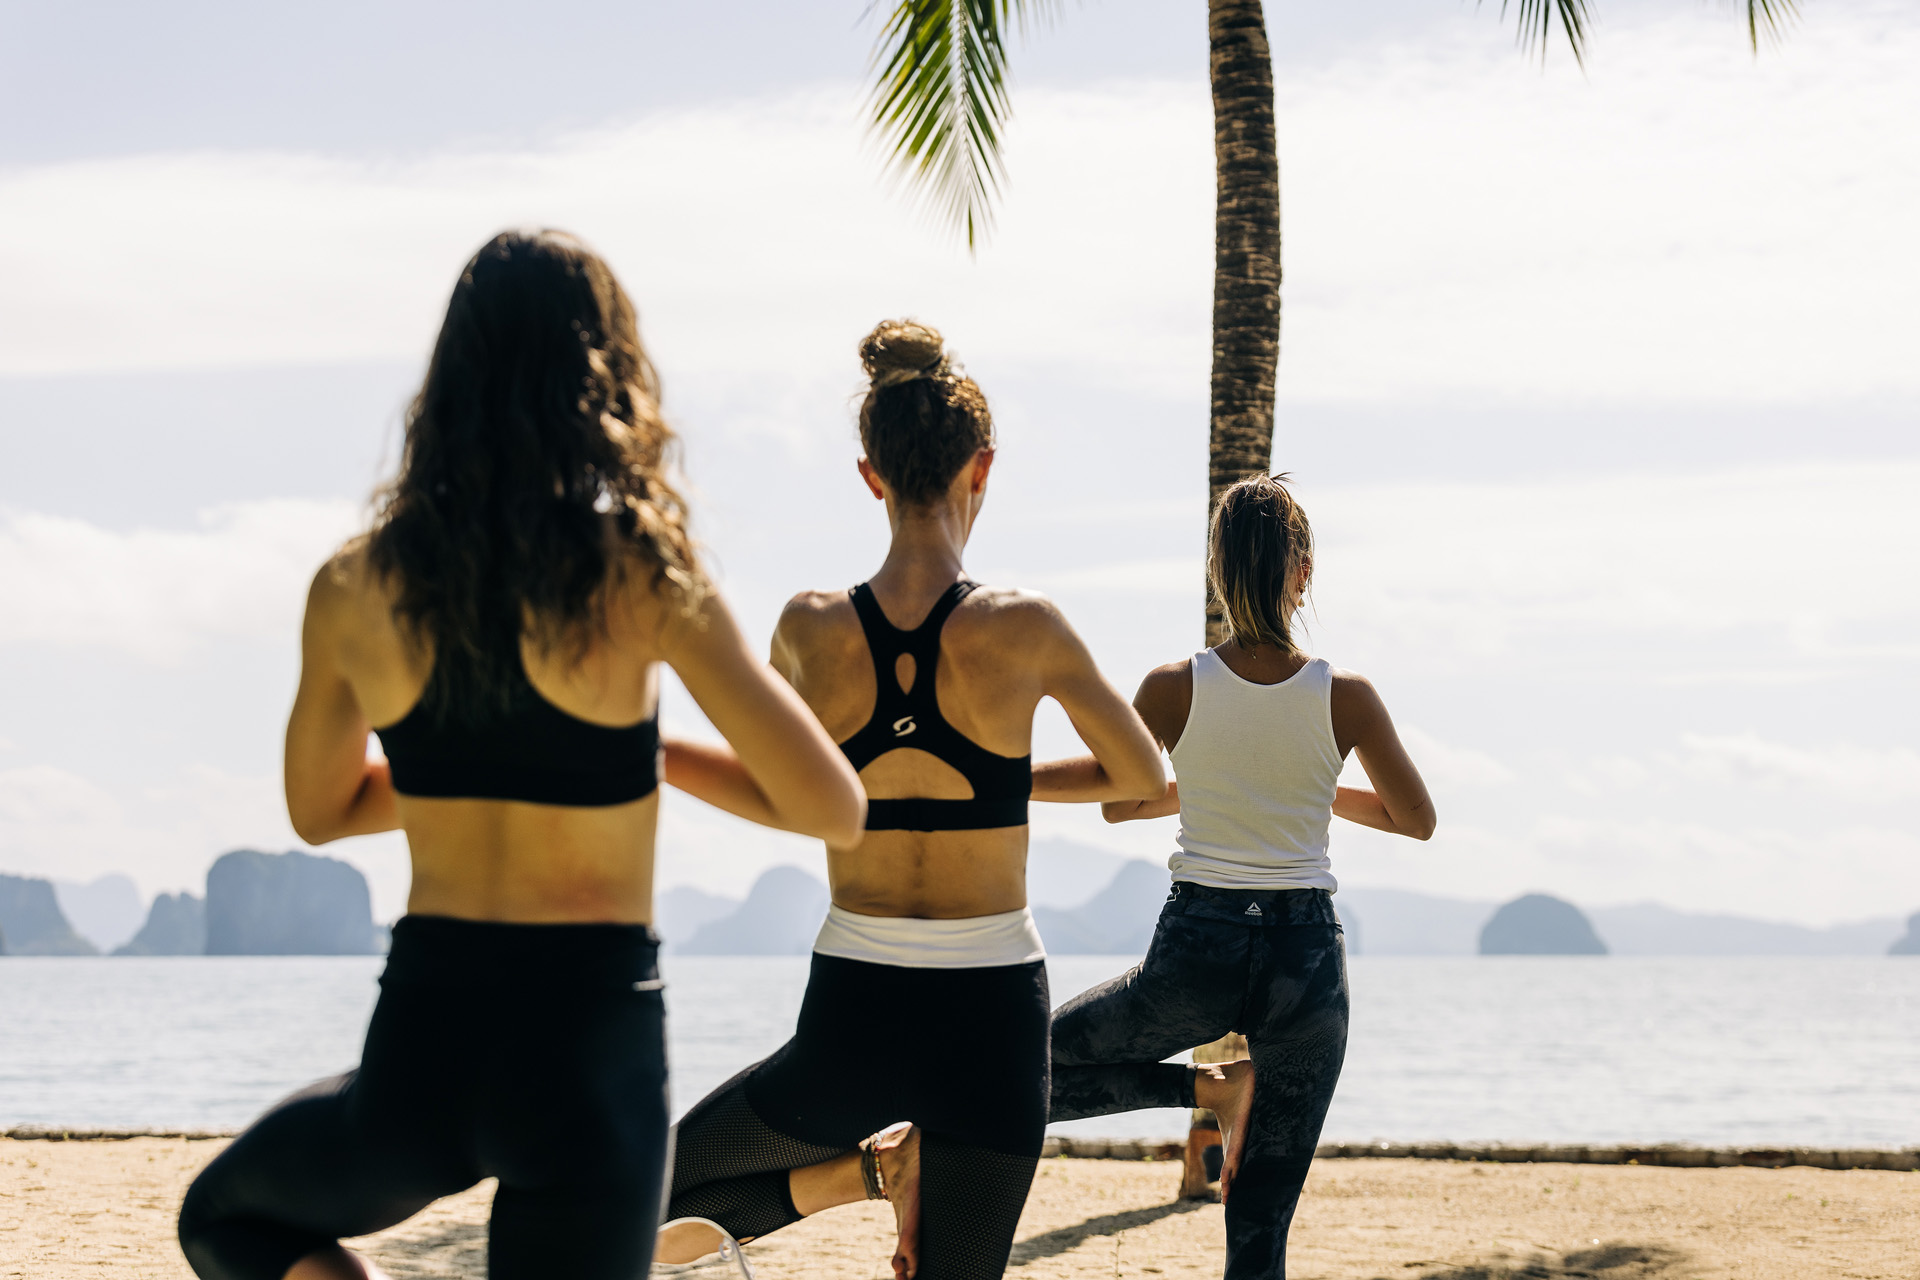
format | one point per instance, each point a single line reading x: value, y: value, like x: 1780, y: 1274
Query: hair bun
x: 900, y: 351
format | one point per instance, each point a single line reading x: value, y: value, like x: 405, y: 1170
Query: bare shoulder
x: 347, y: 587
x: 1168, y: 678
x: 817, y: 631
x: 1009, y: 615
x: 1351, y: 686
x: 812, y: 616
x: 1355, y: 705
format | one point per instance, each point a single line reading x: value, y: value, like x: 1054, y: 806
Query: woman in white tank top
x: 1248, y: 941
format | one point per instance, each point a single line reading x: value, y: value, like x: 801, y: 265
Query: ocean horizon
x: 1749, y: 1051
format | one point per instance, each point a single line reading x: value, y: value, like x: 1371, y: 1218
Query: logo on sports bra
x: 904, y: 726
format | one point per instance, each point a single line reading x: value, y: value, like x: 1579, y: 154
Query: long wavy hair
x: 536, y: 471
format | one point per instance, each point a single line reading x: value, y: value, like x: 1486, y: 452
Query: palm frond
x: 940, y: 100
x: 1769, y: 18
x: 1537, y: 18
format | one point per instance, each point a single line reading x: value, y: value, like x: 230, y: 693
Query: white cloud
x: 1448, y: 766
x: 155, y: 594
x: 1824, y: 774
x: 1752, y: 574
x: 1839, y: 770
x: 1785, y: 570
x: 1682, y: 223
x: 41, y: 795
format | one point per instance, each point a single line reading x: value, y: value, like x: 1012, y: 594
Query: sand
x: 71, y: 1209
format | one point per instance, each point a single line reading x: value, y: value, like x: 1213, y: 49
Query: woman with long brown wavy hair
x: 501, y: 628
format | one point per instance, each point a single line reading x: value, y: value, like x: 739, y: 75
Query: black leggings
x: 960, y: 1052
x: 1279, y: 978
x: 535, y: 1054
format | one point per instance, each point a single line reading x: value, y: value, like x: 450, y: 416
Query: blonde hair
x: 1256, y: 542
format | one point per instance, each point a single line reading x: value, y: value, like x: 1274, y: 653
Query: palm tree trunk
x: 1246, y: 254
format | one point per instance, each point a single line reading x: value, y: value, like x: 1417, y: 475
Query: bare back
x: 502, y: 859
x: 1000, y: 652
x: 520, y: 861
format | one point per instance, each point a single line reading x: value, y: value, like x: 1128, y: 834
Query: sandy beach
x: 71, y: 1209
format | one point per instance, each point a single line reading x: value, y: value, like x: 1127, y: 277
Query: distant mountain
x: 1909, y: 943
x: 1648, y: 929
x: 780, y: 917
x: 1065, y: 873
x: 106, y: 911
x: 1116, y: 921
x: 1540, y: 925
x: 287, y: 904
x: 1398, y: 922
x: 679, y: 913
x: 176, y: 926
x: 32, y: 924
x: 1116, y: 917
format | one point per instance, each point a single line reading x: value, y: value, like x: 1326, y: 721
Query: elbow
x: 1423, y: 824
x: 1151, y: 783
x: 310, y: 827
x: 843, y: 823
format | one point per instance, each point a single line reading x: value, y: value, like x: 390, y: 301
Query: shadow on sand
x: 443, y: 1252
x: 1055, y: 1243
x: 1610, y: 1261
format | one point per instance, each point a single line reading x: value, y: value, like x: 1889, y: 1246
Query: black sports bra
x: 534, y: 752
x: 911, y: 717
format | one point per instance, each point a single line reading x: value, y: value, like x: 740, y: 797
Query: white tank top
x: 1257, y: 766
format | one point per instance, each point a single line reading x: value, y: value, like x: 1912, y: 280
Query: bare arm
x: 1399, y: 803
x: 333, y: 790
x: 1163, y: 701
x: 779, y: 768
x: 1125, y: 764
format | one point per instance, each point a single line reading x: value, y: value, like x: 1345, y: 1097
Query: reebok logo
x: 904, y: 726
x: 1253, y: 909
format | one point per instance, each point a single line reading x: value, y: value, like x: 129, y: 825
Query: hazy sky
x: 1599, y: 389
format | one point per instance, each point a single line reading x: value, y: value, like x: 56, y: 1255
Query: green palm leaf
x: 940, y: 100
x: 1768, y: 16
x: 1536, y: 24
x: 1537, y: 19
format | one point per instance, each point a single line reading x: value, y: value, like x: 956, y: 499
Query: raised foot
x: 898, y: 1149
x: 1226, y: 1089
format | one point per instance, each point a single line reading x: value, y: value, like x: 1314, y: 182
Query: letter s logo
x: 904, y: 726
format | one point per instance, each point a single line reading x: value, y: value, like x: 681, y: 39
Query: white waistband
x: 976, y: 942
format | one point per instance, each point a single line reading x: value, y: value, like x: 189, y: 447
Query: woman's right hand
x: 779, y: 767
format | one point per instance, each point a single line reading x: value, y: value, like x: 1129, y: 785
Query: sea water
x: 1762, y: 1051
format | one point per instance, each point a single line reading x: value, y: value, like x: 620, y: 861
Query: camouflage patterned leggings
x: 1269, y: 964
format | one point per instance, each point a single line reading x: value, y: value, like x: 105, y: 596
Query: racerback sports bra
x: 534, y: 752
x: 911, y: 717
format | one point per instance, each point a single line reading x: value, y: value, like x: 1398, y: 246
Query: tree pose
x: 501, y: 628
x: 929, y: 682
x: 1257, y: 731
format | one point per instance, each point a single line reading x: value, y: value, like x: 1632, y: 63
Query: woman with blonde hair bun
x: 1248, y: 941
x: 927, y: 1001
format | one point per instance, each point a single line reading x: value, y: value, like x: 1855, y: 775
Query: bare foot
x: 1227, y: 1091
x: 899, y: 1152
x: 334, y: 1263
x: 686, y: 1240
